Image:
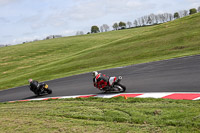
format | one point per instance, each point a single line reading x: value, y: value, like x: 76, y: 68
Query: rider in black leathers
x: 35, y: 86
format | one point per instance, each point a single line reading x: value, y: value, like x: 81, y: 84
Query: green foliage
x: 95, y: 29
x: 122, y: 25
x: 101, y: 115
x: 176, y: 15
x: 115, y: 26
x: 61, y: 57
x: 193, y: 11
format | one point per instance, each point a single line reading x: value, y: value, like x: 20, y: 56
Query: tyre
x: 37, y: 94
x: 121, y: 88
x: 49, y: 91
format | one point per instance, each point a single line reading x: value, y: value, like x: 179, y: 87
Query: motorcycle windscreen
x: 112, y: 80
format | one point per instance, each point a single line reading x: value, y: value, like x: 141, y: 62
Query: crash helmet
x: 94, y: 73
x: 30, y: 80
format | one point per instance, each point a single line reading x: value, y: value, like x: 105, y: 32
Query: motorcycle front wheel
x: 49, y: 91
x: 121, y: 88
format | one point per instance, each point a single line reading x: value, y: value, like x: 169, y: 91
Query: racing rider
x: 35, y: 86
x: 100, y: 80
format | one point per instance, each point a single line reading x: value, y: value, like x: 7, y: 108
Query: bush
x: 193, y: 11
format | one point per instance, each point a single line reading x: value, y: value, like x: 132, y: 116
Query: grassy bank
x: 101, y: 115
x: 56, y: 58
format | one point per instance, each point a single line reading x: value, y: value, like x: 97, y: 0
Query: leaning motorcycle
x: 43, y: 89
x: 114, y: 85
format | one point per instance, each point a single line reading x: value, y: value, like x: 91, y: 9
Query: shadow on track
x: 109, y: 92
x: 35, y: 96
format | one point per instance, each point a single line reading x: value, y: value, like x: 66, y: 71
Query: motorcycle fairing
x: 112, y: 80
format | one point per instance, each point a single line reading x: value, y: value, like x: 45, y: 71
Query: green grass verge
x: 56, y: 58
x: 101, y: 115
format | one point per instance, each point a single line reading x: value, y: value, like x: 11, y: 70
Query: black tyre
x: 121, y: 88
x: 49, y: 91
x: 105, y: 92
x: 37, y: 94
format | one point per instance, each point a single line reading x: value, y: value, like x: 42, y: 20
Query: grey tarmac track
x: 174, y: 75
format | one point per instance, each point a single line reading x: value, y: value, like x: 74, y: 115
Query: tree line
x: 147, y: 20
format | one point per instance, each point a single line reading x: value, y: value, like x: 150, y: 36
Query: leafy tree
x: 122, y: 25
x: 95, y: 29
x: 115, y: 26
x: 176, y: 15
x: 193, y: 10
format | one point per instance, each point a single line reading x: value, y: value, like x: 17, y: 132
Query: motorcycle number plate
x: 46, y: 86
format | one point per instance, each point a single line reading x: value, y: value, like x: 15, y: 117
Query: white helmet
x: 94, y: 73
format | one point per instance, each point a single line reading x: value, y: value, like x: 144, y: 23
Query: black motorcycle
x: 42, y: 89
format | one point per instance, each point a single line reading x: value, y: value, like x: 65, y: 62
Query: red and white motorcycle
x: 114, y: 85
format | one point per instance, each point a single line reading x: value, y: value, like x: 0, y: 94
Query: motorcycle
x: 114, y: 85
x: 43, y: 89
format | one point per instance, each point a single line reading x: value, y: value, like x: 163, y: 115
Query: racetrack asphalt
x: 174, y: 75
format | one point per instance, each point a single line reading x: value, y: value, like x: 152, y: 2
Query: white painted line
x: 153, y: 95
x: 37, y: 99
x: 142, y: 95
x: 197, y: 98
x: 63, y: 97
x: 106, y: 95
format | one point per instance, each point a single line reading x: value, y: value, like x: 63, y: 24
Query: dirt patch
x: 178, y: 48
x: 23, y: 67
x: 157, y: 112
x: 4, y: 64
